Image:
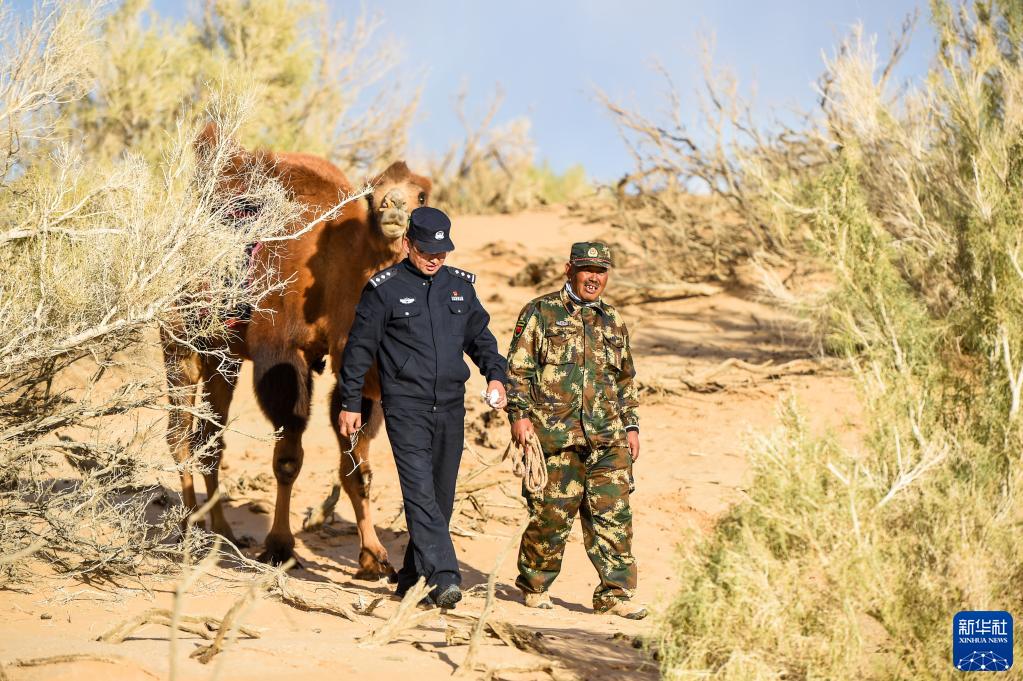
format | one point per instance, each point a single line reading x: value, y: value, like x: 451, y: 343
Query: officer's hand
x: 633, y: 437
x: 502, y: 396
x: 349, y: 422
x: 521, y: 430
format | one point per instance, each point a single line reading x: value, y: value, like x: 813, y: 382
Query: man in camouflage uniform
x: 570, y: 380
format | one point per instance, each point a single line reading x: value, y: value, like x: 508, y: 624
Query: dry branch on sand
x: 70, y: 658
x: 513, y: 636
x: 768, y: 370
x: 632, y: 293
x: 710, y: 381
x: 407, y: 616
x: 469, y: 665
x: 285, y: 590
x: 204, y: 626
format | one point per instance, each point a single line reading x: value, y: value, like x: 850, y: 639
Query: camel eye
x: 422, y: 198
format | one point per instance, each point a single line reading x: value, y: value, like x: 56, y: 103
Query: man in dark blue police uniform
x: 416, y: 320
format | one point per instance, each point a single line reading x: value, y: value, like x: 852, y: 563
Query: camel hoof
x: 245, y: 541
x: 278, y: 553
x: 373, y: 568
x: 278, y: 559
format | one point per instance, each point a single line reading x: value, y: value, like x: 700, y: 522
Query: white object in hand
x: 493, y: 399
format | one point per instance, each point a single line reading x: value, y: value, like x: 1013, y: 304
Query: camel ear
x: 211, y: 138
x: 206, y: 142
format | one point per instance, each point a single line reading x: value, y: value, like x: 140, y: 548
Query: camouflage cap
x: 591, y: 253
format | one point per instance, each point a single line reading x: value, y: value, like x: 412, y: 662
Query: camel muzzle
x: 394, y: 214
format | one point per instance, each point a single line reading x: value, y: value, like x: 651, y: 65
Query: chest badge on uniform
x: 456, y: 297
x: 406, y: 301
x: 562, y: 322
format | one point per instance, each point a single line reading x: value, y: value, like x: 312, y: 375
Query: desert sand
x: 693, y: 465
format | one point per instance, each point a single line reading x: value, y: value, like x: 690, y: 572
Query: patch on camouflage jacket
x: 523, y: 318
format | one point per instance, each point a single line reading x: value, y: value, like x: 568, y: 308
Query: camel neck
x: 380, y: 252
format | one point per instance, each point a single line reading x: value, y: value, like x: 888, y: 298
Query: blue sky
x: 548, y: 56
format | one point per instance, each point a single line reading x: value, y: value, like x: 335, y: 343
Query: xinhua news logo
x: 982, y: 641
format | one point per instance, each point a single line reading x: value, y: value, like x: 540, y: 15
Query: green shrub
x: 849, y: 564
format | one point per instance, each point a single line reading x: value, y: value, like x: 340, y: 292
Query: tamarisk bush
x: 850, y: 563
x: 98, y: 255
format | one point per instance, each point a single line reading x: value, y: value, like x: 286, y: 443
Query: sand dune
x: 693, y: 465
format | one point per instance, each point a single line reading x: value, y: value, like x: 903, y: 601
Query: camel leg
x: 283, y: 388
x: 217, y: 391
x: 321, y: 515
x: 356, y: 476
x: 183, y: 374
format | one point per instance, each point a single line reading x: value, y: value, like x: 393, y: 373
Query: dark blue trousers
x: 427, y: 450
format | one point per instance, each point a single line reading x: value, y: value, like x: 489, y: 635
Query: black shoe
x: 448, y: 596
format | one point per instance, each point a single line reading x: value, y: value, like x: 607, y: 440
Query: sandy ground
x: 693, y: 465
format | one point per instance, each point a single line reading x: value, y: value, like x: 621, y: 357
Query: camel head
x: 396, y: 192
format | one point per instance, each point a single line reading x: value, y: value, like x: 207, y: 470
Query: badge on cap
x: 592, y: 252
x: 439, y: 235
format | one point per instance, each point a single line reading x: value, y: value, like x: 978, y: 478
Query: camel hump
x: 383, y: 276
x: 455, y: 271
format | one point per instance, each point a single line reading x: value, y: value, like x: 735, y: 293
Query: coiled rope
x: 529, y: 464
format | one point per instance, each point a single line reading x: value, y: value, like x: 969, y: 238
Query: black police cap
x: 429, y: 228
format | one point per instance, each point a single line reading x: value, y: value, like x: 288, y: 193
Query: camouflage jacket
x: 570, y: 371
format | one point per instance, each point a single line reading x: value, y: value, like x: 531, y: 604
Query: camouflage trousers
x: 596, y: 484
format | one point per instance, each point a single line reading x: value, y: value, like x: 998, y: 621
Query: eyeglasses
x: 429, y: 256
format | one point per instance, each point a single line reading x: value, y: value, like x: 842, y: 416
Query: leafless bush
x: 493, y: 169
x: 97, y: 254
x: 699, y: 209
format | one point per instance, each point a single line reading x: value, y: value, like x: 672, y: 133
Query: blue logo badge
x: 982, y: 641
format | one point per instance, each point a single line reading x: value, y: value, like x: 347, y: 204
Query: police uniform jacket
x: 417, y: 327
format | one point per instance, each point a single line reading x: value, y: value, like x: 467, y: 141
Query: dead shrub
x: 699, y: 210
x: 493, y: 169
x: 97, y: 254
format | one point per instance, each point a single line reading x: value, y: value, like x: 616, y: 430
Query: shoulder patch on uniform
x: 383, y: 276
x: 524, y: 316
x: 458, y: 272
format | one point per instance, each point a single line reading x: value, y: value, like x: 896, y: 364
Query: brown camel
x: 326, y: 269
